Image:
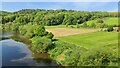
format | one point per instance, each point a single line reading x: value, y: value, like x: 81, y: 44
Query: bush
x: 8, y: 26
x: 22, y: 30
x: 115, y: 25
x: 103, y: 25
x: 69, y: 52
x: 93, y: 25
x: 15, y: 27
x: 67, y: 24
x: 100, y: 21
x: 84, y: 25
x: 77, y: 25
x: 40, y: 31
x: 50, y: 35
x: 41, y: 44
x: 99, y: 57
x: 72, y: 26
x: 110, y: 28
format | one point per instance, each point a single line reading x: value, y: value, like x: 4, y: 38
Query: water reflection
x: 10, y: 53
x: 5, y: 34
x: 18, y: 54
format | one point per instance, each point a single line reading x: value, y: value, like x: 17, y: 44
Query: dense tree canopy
x: 52, y: 17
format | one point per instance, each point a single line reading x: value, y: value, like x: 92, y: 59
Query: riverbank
x: 21, y: 53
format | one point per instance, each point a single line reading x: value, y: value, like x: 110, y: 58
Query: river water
x: 14, y: 51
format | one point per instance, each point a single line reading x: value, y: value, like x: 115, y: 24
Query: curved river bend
x: 15, y: 53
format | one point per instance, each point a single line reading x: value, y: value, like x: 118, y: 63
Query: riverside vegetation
x: 90, y: 49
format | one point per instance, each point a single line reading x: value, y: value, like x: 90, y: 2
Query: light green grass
x: 95, y: 39
x: 111, y: 21
x: 108, y: 21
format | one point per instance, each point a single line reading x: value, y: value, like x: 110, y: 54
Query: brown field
x: 58, y: 32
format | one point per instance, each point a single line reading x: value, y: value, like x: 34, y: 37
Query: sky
x: 79, y: 6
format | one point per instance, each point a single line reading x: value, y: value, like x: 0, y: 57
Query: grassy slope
x: 89, y: 40
x: 108, y: 20
x: 86, y: 39
x: 93, y: 39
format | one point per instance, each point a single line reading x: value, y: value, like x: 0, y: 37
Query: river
x: 15, y: 51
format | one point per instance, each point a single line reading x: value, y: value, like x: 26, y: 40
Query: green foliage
x: 98, y: 57
x: 79, y: 56
x: 8, y: 26
x: 30, y: 23
x: 110, y: 28
x: 2, y: 27
x: 22, y: 29
x: 11, y: 26
x: 77, y: 25
x: 68, y: 54
x: 84, y: 25
x: 100, y: 21
x: 15, y: 27
x: 93, y: 25
x: 52, y: 17
x: 41, y: 44
x: 108, y: 21
x: 103, y: 25
x: 28, y: 29
x: 40, y: 31
x: 41, y: 39
x: 67, y: 24
x: 50, y: 35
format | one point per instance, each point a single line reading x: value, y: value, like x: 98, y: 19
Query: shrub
x: 85, y: 25
x: 93, y: 25
x: 110, y: 28
x: 67, y: 24
x: 115, y: 25
x: 99, y: 57
x: 41, y: 44
x: 50, y: 35
x: 77, y: 25
x: 72, y: 26
x: 103, y: 25
x: 40, y: 31
x: 8, y: 26
x: 100, y: 21
x: 22, y: 30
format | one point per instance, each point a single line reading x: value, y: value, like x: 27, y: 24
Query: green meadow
x: 107, y: 20
x: 93, y: 39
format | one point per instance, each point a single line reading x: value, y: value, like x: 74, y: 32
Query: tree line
x: 52, y: 17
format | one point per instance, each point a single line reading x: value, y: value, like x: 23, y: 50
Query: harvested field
x: 58, y: 32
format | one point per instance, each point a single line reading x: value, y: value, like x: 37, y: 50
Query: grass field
x: 108, y: 21
x: 96, y: 43
x: 86, y: 37
x: 95, y: 39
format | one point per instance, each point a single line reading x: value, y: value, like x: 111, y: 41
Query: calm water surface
x: 15, y: 52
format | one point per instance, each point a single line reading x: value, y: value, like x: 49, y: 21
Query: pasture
x: 107, y: 20
x: 96, y: 39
